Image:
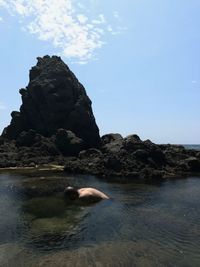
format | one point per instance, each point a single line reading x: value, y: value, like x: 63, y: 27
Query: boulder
x: 112, y: 137
x: 12, y: 132
x: 54, y: 99
x: 157, y: 155
x: 193, y: 164
x: 90, y: 153
x: 68, y: 143
x: 113, y: 163
x: 132, y: 143
x: 28, y: 138
x: 141, y: 154
x: 112, y: 143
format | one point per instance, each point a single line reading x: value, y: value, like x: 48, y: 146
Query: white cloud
x: 1, y: 19
x: 194, y: 81
x: 82, y: 18
x: 100, y: 20
x: 3, y: 3
x: 60, y: 22
x: 117, y: 30
x: 116, y: 15
x: 2, y: 106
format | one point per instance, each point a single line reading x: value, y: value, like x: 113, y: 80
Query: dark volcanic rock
x: 56, y: 125
x: 54, y: 99
x: 193, y: 164
x: 90, y: 153
x: 132, y: 142
x: 109, y: 138
x: 132, y: 157
x: 112, y: 143
x: 28, y: 138
x: 68, y: 143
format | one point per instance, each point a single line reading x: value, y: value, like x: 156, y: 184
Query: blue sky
x: 138, y: 60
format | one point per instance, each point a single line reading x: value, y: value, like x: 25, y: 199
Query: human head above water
x: 71, y: 193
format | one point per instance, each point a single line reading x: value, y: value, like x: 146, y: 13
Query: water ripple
x: 142, y: 225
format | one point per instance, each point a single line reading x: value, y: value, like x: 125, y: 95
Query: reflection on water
x: 142, y: 225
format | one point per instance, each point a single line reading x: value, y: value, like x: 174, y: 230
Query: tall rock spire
x: 54, y: 99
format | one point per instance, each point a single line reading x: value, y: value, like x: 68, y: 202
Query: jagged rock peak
x: 48, y: 66
x: 54, y: 99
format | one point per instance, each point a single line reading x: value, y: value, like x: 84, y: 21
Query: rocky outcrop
x: 56, y: 125
x: 134, y: 158
x: 53, y: 99
x: 68, y: 143
x: 117, y: 157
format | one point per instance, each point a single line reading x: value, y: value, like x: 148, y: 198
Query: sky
x: 138, y: 60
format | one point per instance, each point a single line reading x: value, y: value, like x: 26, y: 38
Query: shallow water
x: 142, y: 225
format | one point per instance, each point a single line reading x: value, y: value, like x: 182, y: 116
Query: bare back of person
x: 91, y: 194
x: 84, y: 195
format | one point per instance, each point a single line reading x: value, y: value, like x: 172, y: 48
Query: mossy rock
x: 42, y: 186
x: 51, y: 226
x: 45, y: 207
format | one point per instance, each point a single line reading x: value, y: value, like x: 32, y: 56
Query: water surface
x: 142, y: 225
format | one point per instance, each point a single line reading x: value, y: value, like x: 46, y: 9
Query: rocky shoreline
x: 132, y: 158
x: 126, y: 157
x: 56, y: 125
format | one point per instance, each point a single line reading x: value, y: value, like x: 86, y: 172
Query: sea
x: 195, y: 147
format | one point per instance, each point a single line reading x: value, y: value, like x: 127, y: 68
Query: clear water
x: 142, y: 225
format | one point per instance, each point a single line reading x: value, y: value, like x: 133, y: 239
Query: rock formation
x: 55, y: 125
x: 133, y: 158
x: 54, y: 99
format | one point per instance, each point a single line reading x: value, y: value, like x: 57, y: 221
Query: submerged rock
x: 45, y: 207
x: 37, y: 187
x: 12, y: 254
x: 50, y: 226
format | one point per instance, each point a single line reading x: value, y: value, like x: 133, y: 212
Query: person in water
x: 88, y: 195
